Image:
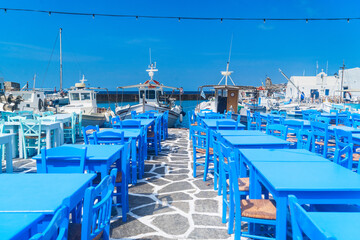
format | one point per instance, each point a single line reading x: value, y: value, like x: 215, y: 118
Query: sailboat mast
x: 60, y: 62
x: 342, y: 82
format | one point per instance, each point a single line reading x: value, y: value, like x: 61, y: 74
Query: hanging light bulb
x: 49, y: 13
x: 264, y: 20
x: 307, y: 20
x: 137, y: 17
x: 93, y: 16
x: 348, y: 20
x: 5, y: 10
x: 179, y: 19
x: 221, y: 20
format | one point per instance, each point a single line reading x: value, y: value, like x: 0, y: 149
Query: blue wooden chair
x: 57, y: 228
x: 87, y: 131
x: 206, y: 110
x: 143, y: 152
x: 108, y: 138
x: 36, y: 116
x: 226, y: 187
x: 154, y: 137
x: 97, y: 209
x: 256, y: 211
x: 215, y: 141
x: 313, y: 116
x: 304, y: 140
x: 115, y: 122
x: 72, y: 160
x: 322, y: 120
x: 302, y: 223
x: 306, y: 113
x: 201, y: 149
x: 343, y: 139
x: 228, y: 114
x: 260, y: 124
x: 344, y: 156
x: 165, y: 126
x: 78, y: 124
x: 130, y: 123
x: 343, y: 119
x: 226, y: 125
x: 33, y: 139
x: 320, y: 141
x: 16, y: 119
x: 212, y: 115
x: 293, y: 128
x: 192, y: 121
x: 251, y: 121
x: 70, y: 129
x: 6, y: 115
x: 277, y: 130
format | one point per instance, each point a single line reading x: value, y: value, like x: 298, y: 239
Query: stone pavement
x: 168, y: 203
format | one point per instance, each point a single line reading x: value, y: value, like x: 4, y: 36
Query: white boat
x: 26, y: 100
x: 83, y: 100
x: 57, y: 99
x: 153, y: 97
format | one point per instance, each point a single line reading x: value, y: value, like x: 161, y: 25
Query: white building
x: 351, y: 82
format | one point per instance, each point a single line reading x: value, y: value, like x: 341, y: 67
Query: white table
x: 62, y: 118
x: 13, y: 127
x: 7, y: 139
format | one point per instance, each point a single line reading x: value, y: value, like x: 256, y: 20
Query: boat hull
x: 125, y: 113
x: 93, y: 119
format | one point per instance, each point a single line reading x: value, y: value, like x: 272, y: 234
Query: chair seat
x: 292, y: 139
x: 263, y: 125
x: 151, y: 134
x: 35, y: 137
x: 194, y: 124
x: 356, y: 156
x: 253, y: 122
x: 67, y: 127
x: 203, y: 151
x: 322, y: 144
x: 118, y: 177
x: 74, y: 232
x: 258, y: 208
x: 244, y: 183
x: 203, y: 133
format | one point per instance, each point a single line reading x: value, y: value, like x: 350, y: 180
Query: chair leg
x: 231, y: 213
x: 216, y: 172
x: 206, y: 166
x: 224, y: 198
x: 194, y: 163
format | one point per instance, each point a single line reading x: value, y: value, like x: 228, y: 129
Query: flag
x: 202, y: 94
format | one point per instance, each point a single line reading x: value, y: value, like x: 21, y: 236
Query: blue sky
x: 114, y: 52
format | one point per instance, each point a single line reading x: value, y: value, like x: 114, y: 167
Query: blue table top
x: 144, y: 122
x: 240, y: 133
x: 211, y: 123
x: 275, y: 116
x: 39, y: 192
x: 13, y: 225
x: 308, y: 176
x: 329, y: 115
x: 341, y: 225
x: 281, y: 155
x: 128, y: 132
x: 345, y: 128
x: 239, y: 141
x: 94, y: 152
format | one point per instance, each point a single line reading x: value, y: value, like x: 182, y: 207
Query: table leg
x: 134, y: 161
x: 9, y: 164
x: 13, y: 141
x: 48, y: 138
x: 61, y: 133
x: 281, y: 210
x: 21, y: 148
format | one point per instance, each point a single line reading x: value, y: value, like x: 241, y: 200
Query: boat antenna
x: 60, y: 61
x: 226, y: 74
x: 342, y: 81
x: 152, y: 68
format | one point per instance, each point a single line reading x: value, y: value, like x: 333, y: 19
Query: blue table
x: 341, y: 225
x: 42, y: 193
x: 144, y: 122
x: 266, y: 141
x: 331, y: 116
x: 310, y: 182
x: 240, y: 133
x: 306, y: 123
x: 135, y: 134
x: 99, y: 158
x: 19, y: 225
x: 211, y: 123
x: 356, y: 138
x: 265, y: 115
x: 345, y: 128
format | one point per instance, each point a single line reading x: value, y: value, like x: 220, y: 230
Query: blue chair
x: 283, y: 114
x: 6, y: 115
x: 72, y: 160
x: 260, y: 124
x: 228, y: 115
x: 206, y: 110
x: 313, y: 116
x: 108, y: 138
x: 115, y: 122
x: 33, y: 139
x: 130, y: 123
x: 133, y: 114
x: 226, y: 187
x: 320, y: 141
x: 306, y: 113
x: 201, y: 149
x: 215, y: 140
x: 16, y: 119
x: 36, y: 116
x: 212, y: 115
x: 226, y: 125
x: 277, y: 130
x: 78, y: 124
x: 293, y: 128
x: 323, y: 120
x: 87, y: 131
x: 57, y: 228
x: 70, y: 129
x: 251, y: 121
x: 165, y: 126
x: 343, y: 119
x: 344, y: 156
x: 154, y: 137
x: 255, y: 211
x: 343, y: 139
x: 143, y: 116
x: 304, y: 140
x: 143, y: 151
x: 192, y: 121
x: 98, y: 200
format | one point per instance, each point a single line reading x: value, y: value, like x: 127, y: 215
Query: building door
x: 232, y: 100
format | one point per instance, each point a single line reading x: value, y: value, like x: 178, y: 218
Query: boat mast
x: 60, y: 62
x: 342, y: 83
x: 226, y: 74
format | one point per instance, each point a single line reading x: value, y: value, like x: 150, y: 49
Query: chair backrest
x: 36, y: 116
x: 277, y: 130
x: 133, y: 114
x: 322, y: 120
x: 269, y: 119
x: 216, y: 139
x: 108, y: 138
x: 200, y: 137
x: 342, y: 138
x: 320, y: 133
x: 16, y: 118
x: 48, y: 113
x: 224, y: 155
x: 344, y: 156
x: 343, y: 118
x: 301, y: 223
x: 87, y: 131
x: 115, y: 120
x: 228, y: 115
x: 130, y: 123
x: 97, y: 207
x: 283, y: 114
x: 142, y: 116
x: 313, y: 116
x: 30, y: 127
x: 212, y: 115
x: 294, y: 126
x: 226, y: 124
x: 6, y: 115
x: 21, y: 113
x: 48, y: 119
x: 70, y: 160
x: 355, y: 119
x: 304, y: 139
x: 57, y: 228
x: 166, y: 117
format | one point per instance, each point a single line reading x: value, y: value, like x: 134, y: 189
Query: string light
x: 93, y: 16
x: 179, y: 18
x: 307, y: 20
x: 137, y: 17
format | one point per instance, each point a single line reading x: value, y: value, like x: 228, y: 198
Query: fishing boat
x: 153, y: 97
x: 83, y: 100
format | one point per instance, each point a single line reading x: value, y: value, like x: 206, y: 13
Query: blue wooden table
x: 211, y: 123
x: 311, y: 182
x: 42, y: 193
x: 240, y: 133
x: 356, y: 138
x: 306, y: 123
x: 144, y: 122
x: 341, y: 225
x: 135, y: 134
x: 332, y: 116
x: 345, y: 128
x: 266, y: 141
x: 19, y: 225
x: 99, y: 158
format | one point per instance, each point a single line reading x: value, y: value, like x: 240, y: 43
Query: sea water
x: 187, y: 106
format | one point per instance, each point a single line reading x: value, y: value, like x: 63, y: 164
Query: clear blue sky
x: 115, y: 52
